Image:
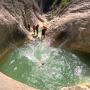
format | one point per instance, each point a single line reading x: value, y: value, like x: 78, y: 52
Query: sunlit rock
x: 78, y: 87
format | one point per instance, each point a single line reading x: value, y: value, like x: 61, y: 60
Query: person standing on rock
x: 43, y: 34
x: 37, y: 27
x: 34, y: 28
x: 29, y: 27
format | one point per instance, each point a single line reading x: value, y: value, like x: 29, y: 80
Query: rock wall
x: 15, y: 15
x: 72, y: 29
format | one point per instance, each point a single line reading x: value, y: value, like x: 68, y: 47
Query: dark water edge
x: 85, y: 58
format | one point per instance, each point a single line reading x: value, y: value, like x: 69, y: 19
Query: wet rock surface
x: 74, y: 26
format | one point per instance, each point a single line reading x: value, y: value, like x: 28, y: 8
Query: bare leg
x: 37, y: 32
x: 34, y: 32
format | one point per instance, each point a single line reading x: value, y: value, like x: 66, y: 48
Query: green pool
x: 46, y: 68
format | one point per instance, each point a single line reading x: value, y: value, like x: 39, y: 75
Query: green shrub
x: 64, y: 3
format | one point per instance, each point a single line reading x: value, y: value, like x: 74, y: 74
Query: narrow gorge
x: 59, y: 62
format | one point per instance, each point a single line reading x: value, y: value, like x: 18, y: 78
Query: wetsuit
x: 37, y: 29
x: 28, y: 27
x: 44, y: 32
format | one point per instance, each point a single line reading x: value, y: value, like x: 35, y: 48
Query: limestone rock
x: 15, y: 15
x: 78, y: 87
x: 73, y: 27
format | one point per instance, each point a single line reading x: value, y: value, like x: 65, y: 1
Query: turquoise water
x: 44, y: 67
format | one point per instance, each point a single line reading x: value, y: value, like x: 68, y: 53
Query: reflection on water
x: 44, y: 67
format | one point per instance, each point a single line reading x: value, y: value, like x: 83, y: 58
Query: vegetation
x: 61, y: 3
x: 64, y: 3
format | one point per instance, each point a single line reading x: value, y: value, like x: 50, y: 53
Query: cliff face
x: 15, y: 15
x: 21, y: 9
x: 72, y: 29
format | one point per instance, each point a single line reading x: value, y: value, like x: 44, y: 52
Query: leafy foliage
x: 64, y: 3
x: 61, y: 3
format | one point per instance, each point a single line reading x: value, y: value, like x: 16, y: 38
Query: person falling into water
x: 43, y: 34
x: 41, y: 63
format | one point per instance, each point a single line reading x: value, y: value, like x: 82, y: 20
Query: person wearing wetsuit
x: 43, y: 34
x: 29, y: 27
x: 37, y: 27
x: 34, y: 28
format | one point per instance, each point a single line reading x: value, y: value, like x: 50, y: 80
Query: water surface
x: 44, y: 67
